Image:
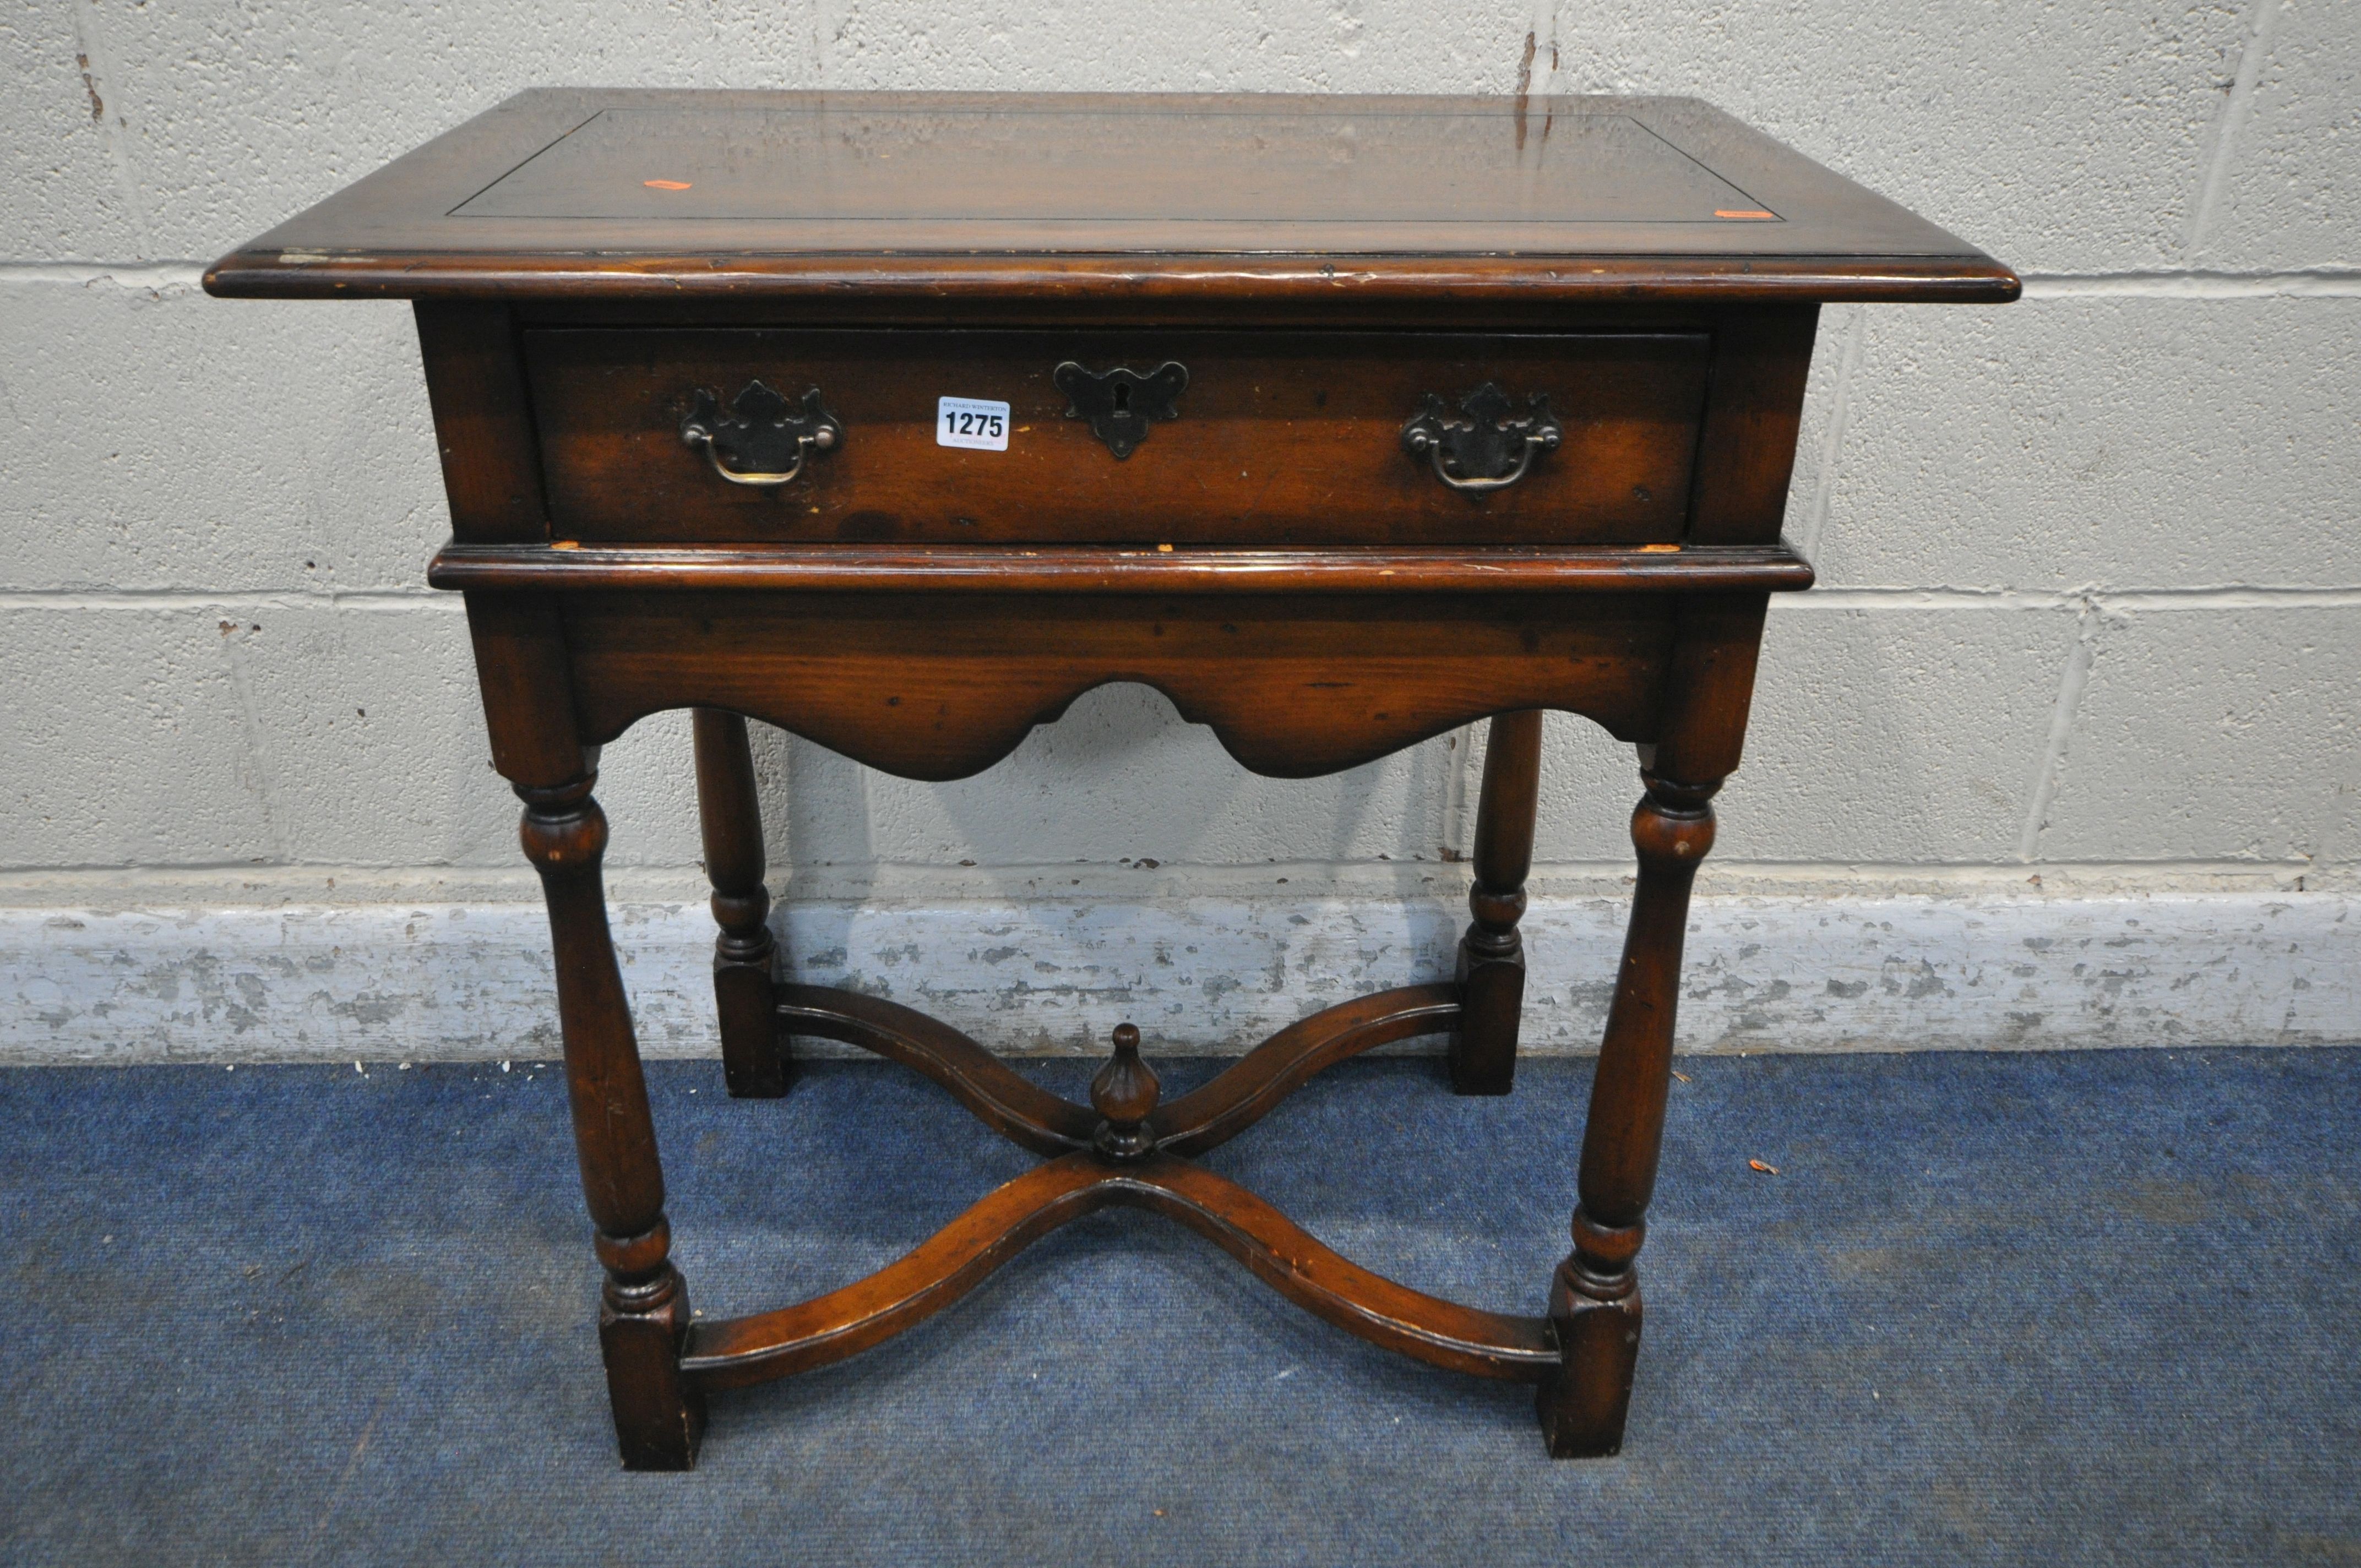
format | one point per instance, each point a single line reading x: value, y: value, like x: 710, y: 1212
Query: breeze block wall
x: 2063, y: 752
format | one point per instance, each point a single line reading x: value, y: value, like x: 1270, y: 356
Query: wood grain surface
x: 661, y: 194
x: 1279, y: 438
x: 1294, y: 687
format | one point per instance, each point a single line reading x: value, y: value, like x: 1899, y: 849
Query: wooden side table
x: 900, y: 421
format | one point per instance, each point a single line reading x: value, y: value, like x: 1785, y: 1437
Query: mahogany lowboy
x: 1341, y: 422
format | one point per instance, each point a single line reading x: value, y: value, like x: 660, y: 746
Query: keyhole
x: 1122, y: 397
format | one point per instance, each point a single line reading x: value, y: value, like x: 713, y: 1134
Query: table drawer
x: 1275, y: 438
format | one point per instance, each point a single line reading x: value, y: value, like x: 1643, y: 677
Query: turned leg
x: 755, y: 1061
x: 1492, y: 955
x: 1595, y: 1297
x: 644, y: 1315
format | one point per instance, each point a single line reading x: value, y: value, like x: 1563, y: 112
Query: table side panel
x: 1295, y: 686
x: 1761, y: 359
x: 483, y: 421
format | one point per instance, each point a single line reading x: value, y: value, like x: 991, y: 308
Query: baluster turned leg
x: 1595, y: 1297
x: 754, y: 1059
x: 643, y: 1314
x: 1483, y: 1053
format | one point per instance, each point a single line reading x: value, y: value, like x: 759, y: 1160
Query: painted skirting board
x: 456, y: 980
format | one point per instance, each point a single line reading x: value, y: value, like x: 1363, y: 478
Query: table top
x: 663, y: 193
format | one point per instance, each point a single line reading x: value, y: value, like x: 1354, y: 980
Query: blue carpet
x: 2004, y: 1308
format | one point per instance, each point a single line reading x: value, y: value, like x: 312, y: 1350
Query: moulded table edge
x: 1012, y: 568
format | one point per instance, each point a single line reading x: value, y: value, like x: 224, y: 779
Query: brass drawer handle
x: 1489, y: 447
x: 759, y: 434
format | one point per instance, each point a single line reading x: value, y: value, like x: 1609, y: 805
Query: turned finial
x: 1124, y: 1094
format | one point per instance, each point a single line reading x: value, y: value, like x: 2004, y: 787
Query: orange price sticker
x: 1754, y: 214
x: 681, y: 185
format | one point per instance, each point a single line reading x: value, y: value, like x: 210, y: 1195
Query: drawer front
x: 1276, y: 438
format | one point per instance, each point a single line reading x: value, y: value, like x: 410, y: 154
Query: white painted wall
x: 2088, y: 653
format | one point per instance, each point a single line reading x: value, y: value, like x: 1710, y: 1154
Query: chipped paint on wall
x: 472, y: 981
